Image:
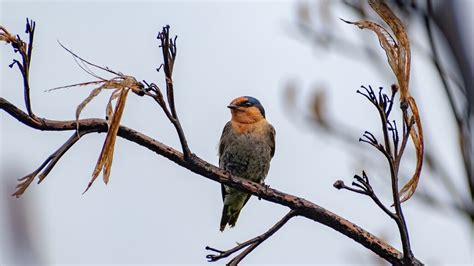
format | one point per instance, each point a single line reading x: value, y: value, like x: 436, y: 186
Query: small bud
x: 338, y: 184
x: 394, y: 88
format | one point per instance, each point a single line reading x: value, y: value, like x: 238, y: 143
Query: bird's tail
x: 228, y: 217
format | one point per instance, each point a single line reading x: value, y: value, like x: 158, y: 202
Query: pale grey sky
x: 153, y: 211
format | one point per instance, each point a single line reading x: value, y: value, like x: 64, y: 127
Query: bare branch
x: 250, y: 244
x: 168, y: 47
x: 47, y: 165
x: 366, y: 189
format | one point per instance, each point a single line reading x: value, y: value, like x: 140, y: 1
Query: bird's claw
x: 266, y: 188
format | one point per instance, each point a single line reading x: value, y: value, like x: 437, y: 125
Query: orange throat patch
x: 257, y: 128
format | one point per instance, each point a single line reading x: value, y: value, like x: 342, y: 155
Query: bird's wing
x: 222, y: 143
x: 224, y: 193
x: 225, y: 132
x: 272, y: 134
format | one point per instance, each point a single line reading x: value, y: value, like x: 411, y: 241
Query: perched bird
x: 246, y: 147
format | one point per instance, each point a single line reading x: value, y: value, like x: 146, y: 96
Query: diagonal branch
x: 250, y: 244
x: 46, y: 167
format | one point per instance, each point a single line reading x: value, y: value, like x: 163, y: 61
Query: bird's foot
x: 266, y: 187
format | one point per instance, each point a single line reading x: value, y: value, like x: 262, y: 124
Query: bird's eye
x: 247, y: 104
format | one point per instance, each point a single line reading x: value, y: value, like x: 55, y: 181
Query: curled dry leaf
x: 398, y: 53
x: 5, y: 36
x: 83, y: 104
x: 417, y: 137
x: 402, y: 68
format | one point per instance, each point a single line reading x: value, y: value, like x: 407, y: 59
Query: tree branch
x: 169, y: 50
x: 47, y: 165
x: 250, y: 244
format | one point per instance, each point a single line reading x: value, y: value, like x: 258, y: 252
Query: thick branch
x: 305, y: 208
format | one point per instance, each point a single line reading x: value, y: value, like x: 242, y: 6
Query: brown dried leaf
x: 106, y: 156
x: 108, y: 109
x: 6, y: 36
x: 416, y: 135
x: 387, y: 42
x: 402, y: 70
x: 83, y: 104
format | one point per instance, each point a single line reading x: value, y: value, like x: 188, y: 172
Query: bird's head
x: 246, y: 110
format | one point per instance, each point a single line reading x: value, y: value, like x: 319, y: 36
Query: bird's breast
x: 247, y: 155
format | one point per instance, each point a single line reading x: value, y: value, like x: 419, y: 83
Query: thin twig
x: 250, y: 244
x: 366, y: 189
x: 46, y: 167
x: 169, y: 50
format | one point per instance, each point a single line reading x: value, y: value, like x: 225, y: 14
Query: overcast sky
x: 153, y: 211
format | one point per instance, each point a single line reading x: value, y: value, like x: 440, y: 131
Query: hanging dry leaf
x: 106, y: 156
x: 108, y: 109
x: 417, y: 137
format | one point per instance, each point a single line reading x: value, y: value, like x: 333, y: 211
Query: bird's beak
x: 232, y: 106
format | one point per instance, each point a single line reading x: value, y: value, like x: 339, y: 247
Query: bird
x: 246, y: 148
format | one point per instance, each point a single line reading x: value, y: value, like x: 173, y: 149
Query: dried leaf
x: 416, y: 135
x: 386, y: 40
x: 106, y: 156
x: 6, y: 36
x: 77, y: 85
x: 108, y: 163
x: 402, y: 70
x: 108, y: 109
x: 83, y: 104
